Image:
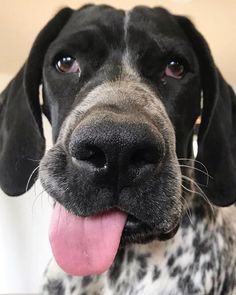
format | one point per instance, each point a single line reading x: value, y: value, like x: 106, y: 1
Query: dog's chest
x: 198, y: 260
x: 142, y: 270
x: 172, y: 268
x: 135, y: 272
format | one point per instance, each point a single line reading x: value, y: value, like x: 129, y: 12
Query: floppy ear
x: 21, y: 133
x: 217, y: 134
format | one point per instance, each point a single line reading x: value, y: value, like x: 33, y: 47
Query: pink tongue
x: 85, y: 245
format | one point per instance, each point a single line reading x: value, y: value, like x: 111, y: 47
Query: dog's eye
x: 68, y: 64
x: 175, y: 70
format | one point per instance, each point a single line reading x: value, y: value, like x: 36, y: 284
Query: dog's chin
x: 136, y: 231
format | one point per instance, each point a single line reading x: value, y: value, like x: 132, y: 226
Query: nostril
x: 144, y: 156
x: 92, y: 155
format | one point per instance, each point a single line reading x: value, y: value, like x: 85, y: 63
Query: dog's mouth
x: 137, y: 231
x: 88, y: 245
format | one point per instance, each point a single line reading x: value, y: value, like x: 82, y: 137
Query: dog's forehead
x: 154, y: 21
x: 101, y: 16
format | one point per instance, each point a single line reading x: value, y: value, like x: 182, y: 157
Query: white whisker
x: 196, y: 161
x: 188, y: 210
x: 197, y: 169
x: 200, y: 192
x: 30, y: 177
x: 36, y: 199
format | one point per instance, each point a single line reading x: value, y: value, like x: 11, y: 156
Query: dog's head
x: 122, y: 92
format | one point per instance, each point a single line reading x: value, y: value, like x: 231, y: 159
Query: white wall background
x: 24, y: 246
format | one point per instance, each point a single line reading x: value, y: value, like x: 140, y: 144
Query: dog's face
x: 122, y: 91
x: 115, y: 84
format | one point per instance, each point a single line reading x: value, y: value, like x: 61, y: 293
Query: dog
x: 135, y: 212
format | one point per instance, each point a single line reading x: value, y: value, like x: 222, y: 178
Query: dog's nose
x: 117, y: 150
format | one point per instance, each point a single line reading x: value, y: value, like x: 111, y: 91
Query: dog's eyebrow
x: 163, y: 41
x: 167, y: 45
x: 79, y: 40
x: 166, y: 42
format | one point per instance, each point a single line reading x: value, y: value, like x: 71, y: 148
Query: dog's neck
x: 202, y: 228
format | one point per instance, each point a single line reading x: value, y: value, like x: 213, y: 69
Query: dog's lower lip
x: 141, y: 231
x: 134, y: 224
x: 168, y: 235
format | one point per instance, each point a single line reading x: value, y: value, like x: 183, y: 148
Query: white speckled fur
x: 214, y: 230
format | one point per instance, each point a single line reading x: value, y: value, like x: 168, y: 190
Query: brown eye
x: 175, y: 70
x: 68, y: 64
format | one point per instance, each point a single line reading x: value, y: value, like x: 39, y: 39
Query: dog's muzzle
x: 113, y: 172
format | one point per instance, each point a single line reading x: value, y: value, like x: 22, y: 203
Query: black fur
x: 127, y: 123
x: 21, y: 134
